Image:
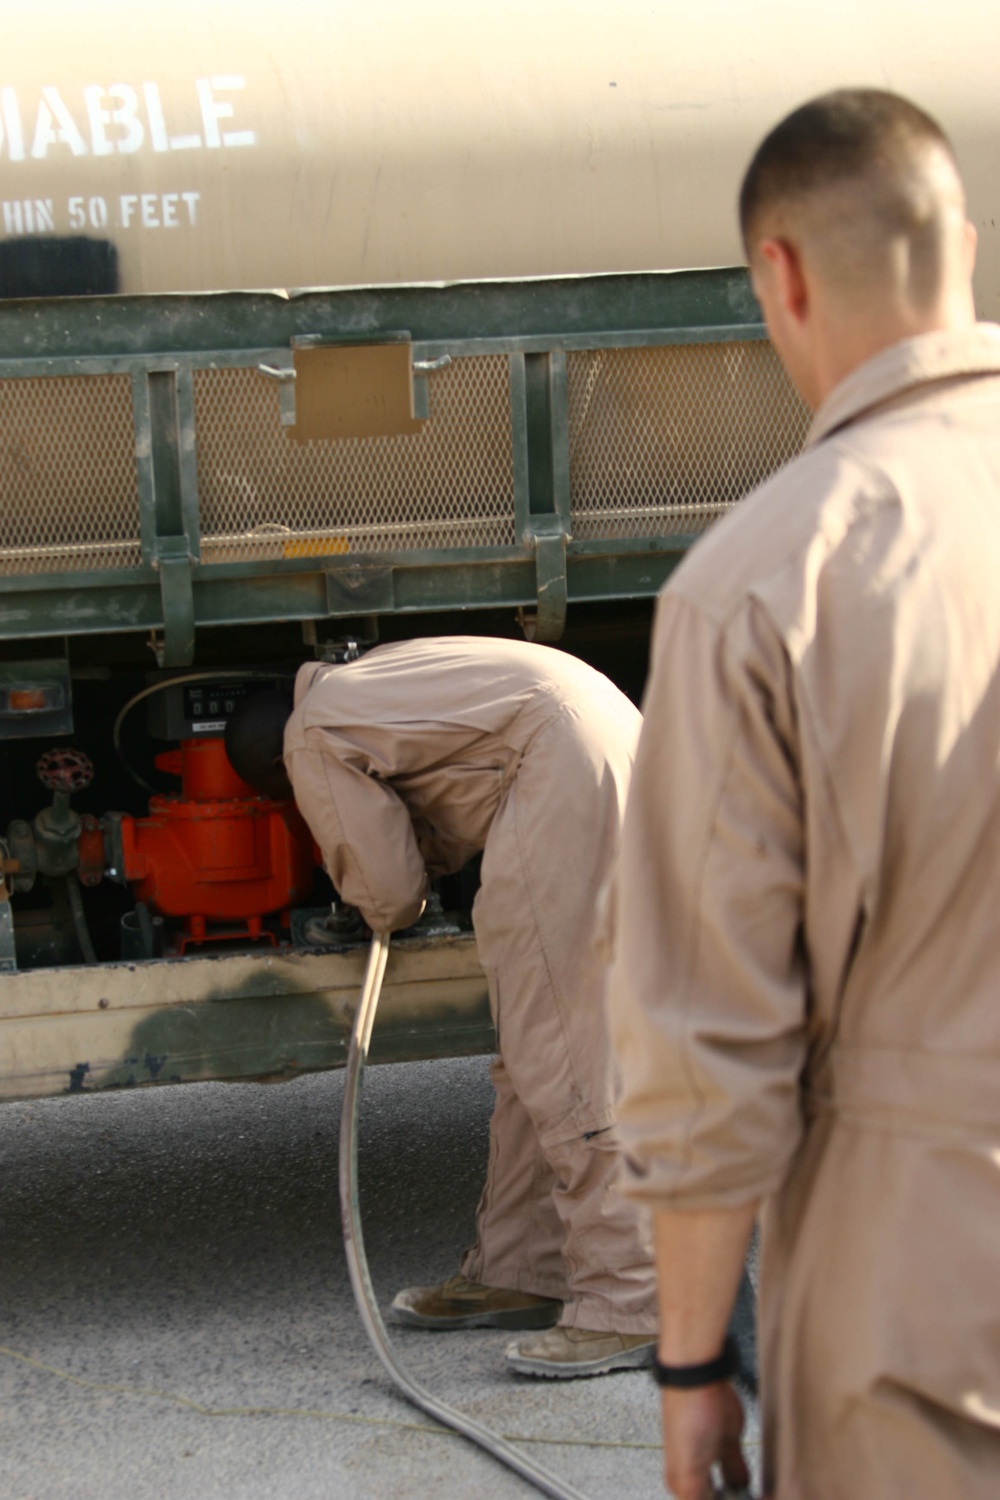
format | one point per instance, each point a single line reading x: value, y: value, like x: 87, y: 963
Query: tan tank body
x: 246, y: 145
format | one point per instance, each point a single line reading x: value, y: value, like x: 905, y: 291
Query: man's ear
x: 788, y: 283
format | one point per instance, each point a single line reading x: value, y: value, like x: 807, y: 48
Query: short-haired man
x: 406, y: 763
x: 806, y: 998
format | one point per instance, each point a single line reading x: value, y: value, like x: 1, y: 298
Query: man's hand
x: 701, y: 1428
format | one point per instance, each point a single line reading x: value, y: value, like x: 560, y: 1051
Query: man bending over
x: 404, y: 764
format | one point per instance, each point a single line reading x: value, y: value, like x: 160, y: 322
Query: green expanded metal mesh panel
x: 68, y: 488
x: 265, y: 496
x: 663, y: 440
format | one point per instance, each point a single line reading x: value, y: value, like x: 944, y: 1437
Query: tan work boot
x: 565, y: 1353
x: 460, y: 1303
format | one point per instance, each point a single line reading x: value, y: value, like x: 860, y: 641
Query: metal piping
x: 79, y: 916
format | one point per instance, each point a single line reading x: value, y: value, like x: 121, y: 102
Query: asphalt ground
x: 176, y: 1318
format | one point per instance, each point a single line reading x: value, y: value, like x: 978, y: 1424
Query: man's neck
x: 850, y: 339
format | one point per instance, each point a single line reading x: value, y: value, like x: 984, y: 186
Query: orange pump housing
x: 217, y: 852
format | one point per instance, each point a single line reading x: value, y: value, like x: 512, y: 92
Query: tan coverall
x: 806, y: 995
x: 411, y: 760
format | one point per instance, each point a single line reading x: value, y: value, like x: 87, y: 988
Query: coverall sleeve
x: 708, y: 986
x: 363, y: 830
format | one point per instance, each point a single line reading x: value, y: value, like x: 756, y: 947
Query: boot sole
x: 545, y: 1369
x: 515, y: 1319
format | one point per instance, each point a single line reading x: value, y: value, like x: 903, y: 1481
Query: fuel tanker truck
x: 328, y: 323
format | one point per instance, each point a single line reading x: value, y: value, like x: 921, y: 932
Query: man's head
x: 255, y: 733
x: 853, y: 218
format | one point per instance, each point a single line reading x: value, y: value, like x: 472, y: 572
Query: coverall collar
x: 904, y: 366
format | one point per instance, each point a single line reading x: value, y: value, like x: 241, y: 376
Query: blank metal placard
x: 353, y: 390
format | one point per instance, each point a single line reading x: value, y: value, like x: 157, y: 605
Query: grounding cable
x: 357, y: 1261
x: 357, y: 1264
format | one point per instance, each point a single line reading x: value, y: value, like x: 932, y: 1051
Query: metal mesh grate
x: 264, y: 495
x: 68, y: 493
x: 664, y: 440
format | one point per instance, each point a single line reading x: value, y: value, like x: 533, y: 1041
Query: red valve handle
x: 65, y: 770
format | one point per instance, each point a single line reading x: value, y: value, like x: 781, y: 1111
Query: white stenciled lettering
x: 154, y: 113
x: 87, y: 212
x: 29, y: 216
x: 100, y: 119
x: 125, y: 117
x: 159, y: 135
x: 213, y: 110
x: 10, y: 125
x: 55, y: 125
x: 19, y: 216
x: 155, y: 210
x: 119, y: 118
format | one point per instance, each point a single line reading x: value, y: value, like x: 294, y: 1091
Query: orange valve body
x: 216, y: 852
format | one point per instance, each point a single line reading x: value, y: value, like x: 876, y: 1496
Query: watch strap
x: 690, y: 1377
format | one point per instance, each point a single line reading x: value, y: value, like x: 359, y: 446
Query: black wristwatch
x: 690, y: 1377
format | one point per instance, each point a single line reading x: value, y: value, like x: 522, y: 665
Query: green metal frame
x: 160, y: 341
x: 276, y: 1014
